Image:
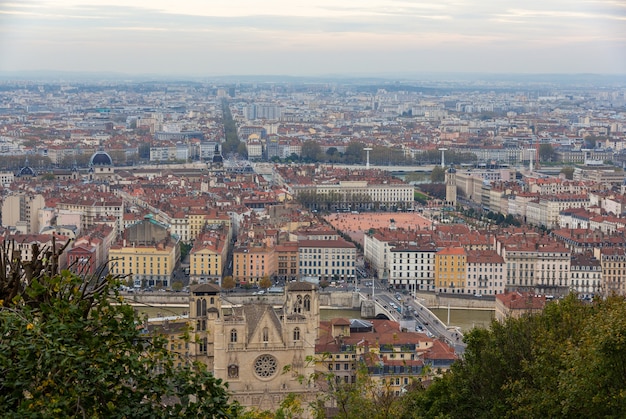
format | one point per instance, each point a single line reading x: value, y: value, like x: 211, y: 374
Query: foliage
x: 568, y: 171
x: 265, y: 282
x: 435, y: 190
x: 232, y: 144
x: 67, y: 350
x: 547, y: 152
x: 568, y: 361
x: 311, y: 151
x: 228, y: 283
x: 438, y: 174
x: 363, y: 397
x: 185, y: 248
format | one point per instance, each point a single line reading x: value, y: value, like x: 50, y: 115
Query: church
x: 259, y: 347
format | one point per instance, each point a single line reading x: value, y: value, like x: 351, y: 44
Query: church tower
x: 451, y: 187
x: 204, y: 311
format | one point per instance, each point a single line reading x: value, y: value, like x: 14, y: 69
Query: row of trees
x: 354, y: 153
x: 231, y: 145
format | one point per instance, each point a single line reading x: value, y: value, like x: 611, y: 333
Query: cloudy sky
x: 314, y: 37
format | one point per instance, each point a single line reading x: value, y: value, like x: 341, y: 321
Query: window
x: 233, y: 336
x: 266, y: 334
x: 296, y: 334
x: 201, y: 307
x: 265, y: 366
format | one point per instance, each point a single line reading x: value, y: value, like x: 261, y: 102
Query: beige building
x: 327, y: 259
x: 485, y: 273
x: 516, y: 304
x: 147, y: 253
x: 248, y: 346
x: 94, y: 211
x: 208, y: 256
x: 613, y: 262
x: 252, y: 262
x: 22, y: 211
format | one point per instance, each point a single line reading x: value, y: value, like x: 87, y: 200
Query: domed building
x: 26, y: 171
x: 101, y: 166
x: 100, y: 158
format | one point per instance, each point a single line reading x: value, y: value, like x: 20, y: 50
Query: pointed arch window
x: 201, y: 307
x: 297, y: 308
x: 296, y: 334
x: 307, y: 303
x: 233, y: 336
x: 266, y: 334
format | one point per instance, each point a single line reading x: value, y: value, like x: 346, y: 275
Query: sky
x: 314, y: 37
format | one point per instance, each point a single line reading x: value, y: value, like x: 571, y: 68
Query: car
x: 478, y: 295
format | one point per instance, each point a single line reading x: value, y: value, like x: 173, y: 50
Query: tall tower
x: 451, y: 187
x: 443, y: 157
x: 367, y: 150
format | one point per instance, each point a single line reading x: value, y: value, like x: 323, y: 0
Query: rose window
x: 265, y: 366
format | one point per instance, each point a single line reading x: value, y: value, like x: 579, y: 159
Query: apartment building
x: 147, y: 254
x: 412, y: 266
x: 485, y: 273
x: 586, y: 275
x: 613, y: 263
x: 451, y: 270
x: 327, y: 259
x: 252, y: 261
x: 208, y: 256
x: 21, y: 211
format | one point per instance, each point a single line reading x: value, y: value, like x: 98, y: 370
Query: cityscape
x: 247, y: 209
x: 267, y: 210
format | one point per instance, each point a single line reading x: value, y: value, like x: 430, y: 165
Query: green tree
x: 546, y: 152
x: 568, y: 361
x: 568, y: 171
x: 438, y: 175
x: 354, y: 153
x: 67, y: 351
x: 311, y: 151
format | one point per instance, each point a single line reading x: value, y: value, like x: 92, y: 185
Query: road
x: 412, y: 310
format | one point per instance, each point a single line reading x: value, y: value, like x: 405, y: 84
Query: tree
x: 438, y: 175
x: 311, y: 151
x: 228, y: 283
x: 67, y: 351
x: 565, y: 362
x: 354, y: 153
x: 177, y: 286
x: 265, y: 282
x: 568, y: 171
x: 546, y: 152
